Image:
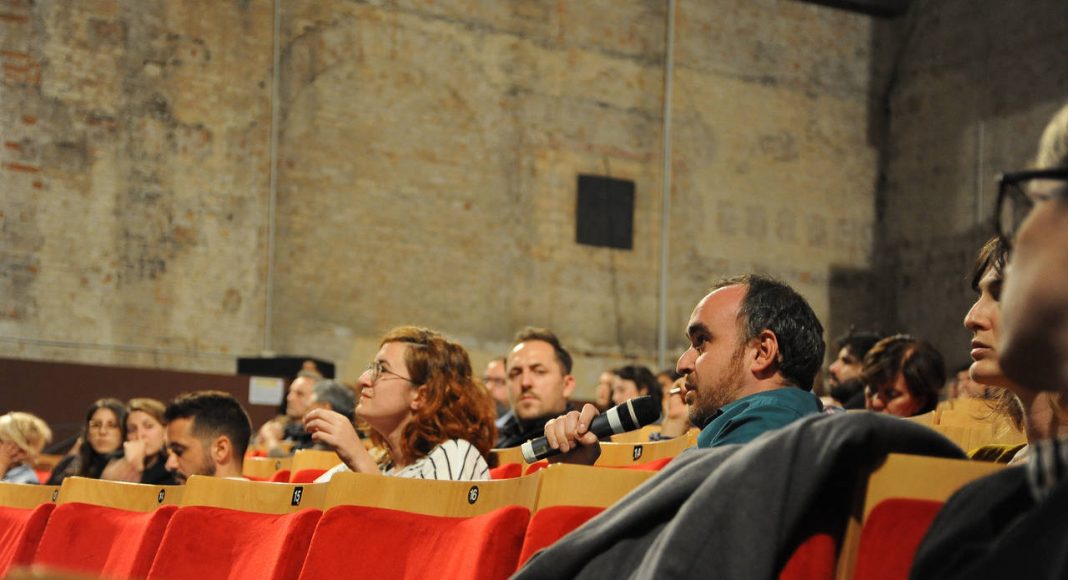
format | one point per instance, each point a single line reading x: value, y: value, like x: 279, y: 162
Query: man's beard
x: 708, y: 402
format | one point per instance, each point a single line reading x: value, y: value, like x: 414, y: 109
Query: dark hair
x: 90, y: 463
x: 643, y: 379
x: 545, y: 335
x: 857, y: 344
x: 916, y: 359
x: 340, y: 398
x: 773, y: 305
x: 993, y: 255
x: 213, y: 413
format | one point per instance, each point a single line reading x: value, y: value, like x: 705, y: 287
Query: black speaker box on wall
x: 604, y: 214
x: 285, y: 367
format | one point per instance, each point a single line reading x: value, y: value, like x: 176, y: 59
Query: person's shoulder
x: 789, y: 400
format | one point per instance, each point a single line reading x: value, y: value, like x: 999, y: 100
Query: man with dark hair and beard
x: 207, y: 434
x: 755, y: 349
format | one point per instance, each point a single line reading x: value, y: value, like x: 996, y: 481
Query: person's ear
x: 418, y: 398
x: 569, y: 386
x: 222, y: 450
x: 766, y: 354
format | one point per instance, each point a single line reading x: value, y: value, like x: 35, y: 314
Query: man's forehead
x: 718, y: 305
x: 530, y: 352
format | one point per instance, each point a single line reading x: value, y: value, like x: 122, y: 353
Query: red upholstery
x: 381, y: 543
x: 280, y: 476
x: 814, y: 559
x: 552, y: 523
x: 890, y: 537
x: 101, y: 540
x: 507, y: 471
x: 537, y: 466
x: 20, y: 531
x: 207, y: 543
x: 306, y: 475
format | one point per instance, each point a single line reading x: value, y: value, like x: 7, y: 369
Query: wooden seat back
x: 23, y: 496
x: 264, y: 467
x: 253, y: 496
x: 431, y: 497
x: 623, y: 454
x: 911, y: 477
x: 135, y: 497
x: 581, y: 485
x: 313, y: 459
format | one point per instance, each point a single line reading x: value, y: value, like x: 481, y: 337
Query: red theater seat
x: 814, y: 559
x: 306, y: 475
x: 397, y: 544
x: 20, y: 532
x: 552, y: 523
x: 507, y: 471
x: 280, y: 476
x: 207, y: 543
x: 102, y: 540
x: 892, y: 532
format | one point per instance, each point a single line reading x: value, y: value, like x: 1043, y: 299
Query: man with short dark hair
x: 539, y: 373
x: 333, y: 396
x: 755, y: 349
x: 207, y: 434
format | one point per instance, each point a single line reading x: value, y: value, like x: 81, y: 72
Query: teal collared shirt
x: 751, y: 416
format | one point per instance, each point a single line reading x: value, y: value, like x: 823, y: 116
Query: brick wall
x: 427, y: 163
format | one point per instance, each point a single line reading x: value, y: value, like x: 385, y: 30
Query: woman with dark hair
x: 144, y: 458
x: 424, y: 409
x: 902, y: 376
x: 634, y: 381
x: 101, y: 441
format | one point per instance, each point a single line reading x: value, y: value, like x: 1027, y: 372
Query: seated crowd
x: 751, y: 371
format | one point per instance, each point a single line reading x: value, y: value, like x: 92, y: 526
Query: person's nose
x: 976, y: 319
x: 172, y: 462
x: 684, y: 366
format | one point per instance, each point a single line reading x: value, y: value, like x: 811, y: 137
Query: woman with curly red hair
x: 424, y: 408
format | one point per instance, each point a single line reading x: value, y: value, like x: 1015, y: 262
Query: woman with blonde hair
x: 22, y: 436
x: 424, y: 409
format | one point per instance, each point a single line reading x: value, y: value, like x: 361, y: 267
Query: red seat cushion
x: 306, y: 475
x: 506, y: 471
x: 280, y: 476
x: 890, y: 537
x: 102, y: 540
x: 552, y: 523
x: 815, y: 559
x: 396, y: 544
x: 207, y: 543
x: 20, y: 532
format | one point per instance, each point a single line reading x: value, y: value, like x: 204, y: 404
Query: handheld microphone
x: 628, y: 416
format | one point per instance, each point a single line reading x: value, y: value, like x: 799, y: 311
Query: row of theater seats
x: 382, y: 527
x: 306, y: 465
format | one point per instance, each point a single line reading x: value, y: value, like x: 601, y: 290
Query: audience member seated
x: 331, y: 395
x: 99, y: 444
x: 144, y: 457
x: 207, y: 433
x: 1012, y: 524
x: 1038, y: 413
x: 755, y: 348
x: 634, y: 381
x: 495, y: 378
x: 602, y: 394
x: 676, y: 420
x: 539, y: 370
x: 844, y: 384
x: 22, y: 436
x: 424, y: 407
x: 291, y: 426
x: 902, y: 376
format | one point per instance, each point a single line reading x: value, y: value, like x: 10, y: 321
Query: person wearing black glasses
x: 425, y: 410
x: 1013, y: 524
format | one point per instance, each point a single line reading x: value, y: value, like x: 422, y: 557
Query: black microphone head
x: 646, y: 410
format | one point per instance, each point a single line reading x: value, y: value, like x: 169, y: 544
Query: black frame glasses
x: 377, y: 370
x: 1014, y: 201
